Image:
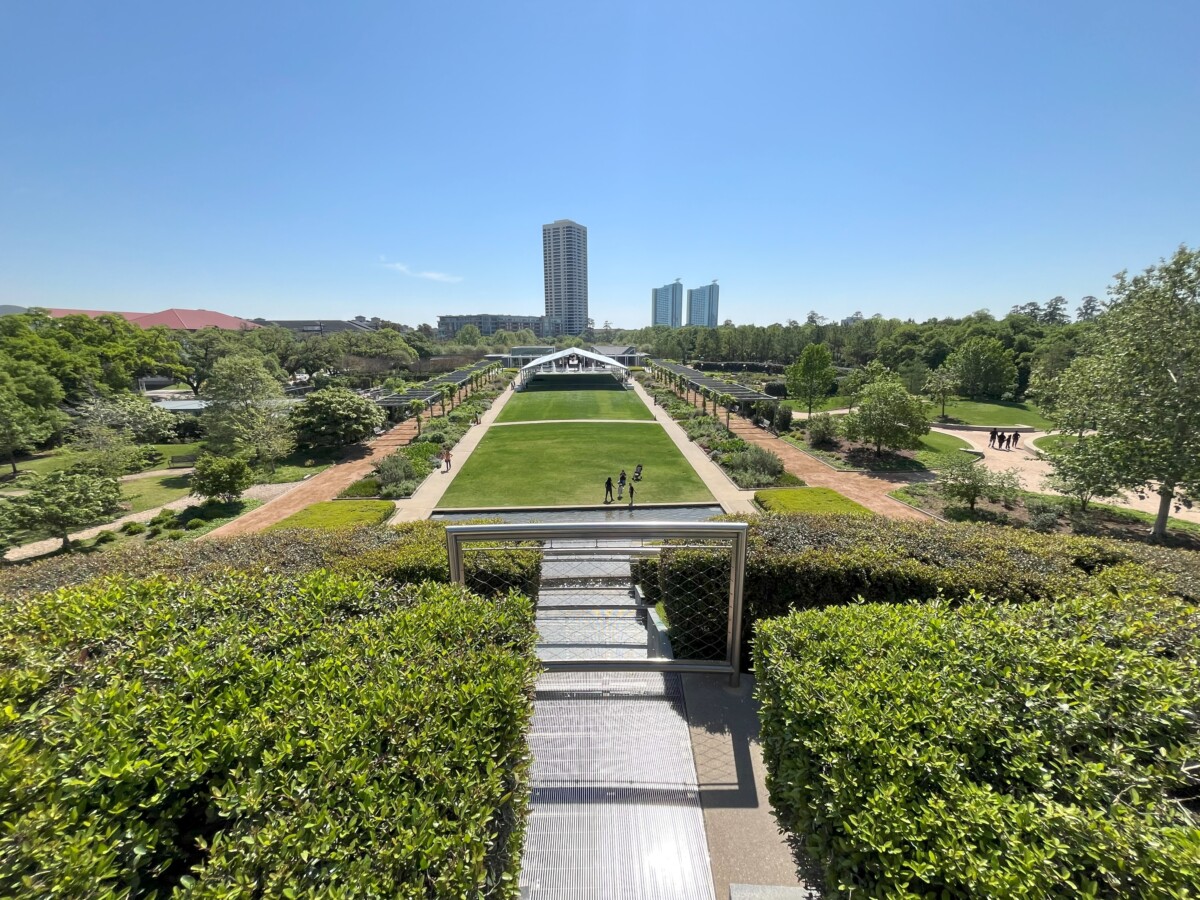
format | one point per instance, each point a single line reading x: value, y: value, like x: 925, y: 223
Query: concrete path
x: 265, y: 492
x: 1033, y: 470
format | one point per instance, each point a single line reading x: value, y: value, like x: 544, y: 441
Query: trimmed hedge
x: 264, y: 736
x: 1037, y: 750
x: 800, y: 562
x: 333, y: 514
x: 411, y: 552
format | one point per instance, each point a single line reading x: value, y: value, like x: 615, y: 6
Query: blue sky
x: 398, y: 159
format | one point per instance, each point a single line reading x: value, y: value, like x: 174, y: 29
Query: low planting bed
x: 332, y: 514
x: 1038, y: 750
x: 256, y: 735
x: 808, y: 500
x: 934, y: 451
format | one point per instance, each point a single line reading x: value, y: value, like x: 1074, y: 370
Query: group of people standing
x: 622, y: 482
x: 1001, y: 441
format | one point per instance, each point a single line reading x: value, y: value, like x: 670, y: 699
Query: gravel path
x: 263, y: 492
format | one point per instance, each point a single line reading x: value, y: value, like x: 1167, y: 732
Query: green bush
x: 133, y: 528
x: 411, y: 552
x: 319, y: 736
x: 752, y: 466
x: 988, y: 750
x: 364, y: 487
x: 175, y: 534
x: 801, y: 562
x: 822, y: 430
x: 104, y: 537
x: 194, y: 524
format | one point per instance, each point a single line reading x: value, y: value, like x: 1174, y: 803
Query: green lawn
x: 56, y: 460
x: 541, y: 406
x: 147, y: 493
x: 971, y: 412
x: 333, y: 514
x: 808, y: 500
x: 1052, y: 442
x: 299, y: 465
x: 565, y: 464
x: 935, y: 446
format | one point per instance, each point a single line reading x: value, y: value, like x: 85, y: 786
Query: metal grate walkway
x: 616, y: 808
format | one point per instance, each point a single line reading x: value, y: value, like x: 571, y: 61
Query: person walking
x: 631, y: 495
x: 621, y: 485
x: 1000, y: 441
x: 992, y: 438
x: 447, y: 461
x: 1012, y: 441
x: 608, y: 498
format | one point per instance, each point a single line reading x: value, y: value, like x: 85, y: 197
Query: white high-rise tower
x: 564, y: 252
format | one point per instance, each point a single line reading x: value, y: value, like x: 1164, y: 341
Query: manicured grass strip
x: 148, y: 493
x: 541, y: 406
x: 565, y: 464
x: 971, y: 412
x: 1053, y: 442
x: 808, y: 500
x: 333, y: 514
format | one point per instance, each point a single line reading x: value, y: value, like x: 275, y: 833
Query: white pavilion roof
x: 573, y: 351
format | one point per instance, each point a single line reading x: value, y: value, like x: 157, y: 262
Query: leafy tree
x: 245, y: 411
x: 469, y: 334
x: 199, y: 352
x: 145, y: 422
x: 415, y: 408
x: 1145, y: 361
x: 220, y: 477
x: 25, y: 422
x: 887, y: 416
x: 103, y: 450
x: 8, y: 527
x: 965, y: 479
x: 985, y: 368
x: 1055, y: 312
x: 62, y: 501
x: 811, y: 376
x: 1086, y: 471
x: 941, y: 385
x: 335, y: 417
x: 1089, y: 308
x: 859, y: 379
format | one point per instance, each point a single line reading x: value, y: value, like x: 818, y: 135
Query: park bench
x: 182, y: 461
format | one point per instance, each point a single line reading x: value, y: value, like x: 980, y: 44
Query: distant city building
x: 490, y: 323
x: 177, y: 319
x: 303, y: 327
x: 564, y: 256
x: 852, y: 320
x: 666, y: 305
x: 702, y: 305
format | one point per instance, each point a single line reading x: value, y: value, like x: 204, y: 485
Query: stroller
x: 637, y: 473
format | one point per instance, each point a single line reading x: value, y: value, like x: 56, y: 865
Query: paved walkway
x: 1033, y: 470
x: 267, y: 492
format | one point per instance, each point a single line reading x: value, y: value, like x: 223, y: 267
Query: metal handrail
x: 734, y: 532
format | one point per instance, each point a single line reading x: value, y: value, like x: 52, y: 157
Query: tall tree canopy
x: 1140, y: 379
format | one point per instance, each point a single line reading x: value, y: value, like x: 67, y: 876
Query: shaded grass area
x: 1053, y: 442
x: 808, y: 500
x: 147, y: 493
x: 61, y: 458
x: 934, y: 450
x: 333, y: 514
x: 973, y: 412
x: 300, y: 464
x: 565, y: 464
x: 546, y: 405
x: 838, y: 401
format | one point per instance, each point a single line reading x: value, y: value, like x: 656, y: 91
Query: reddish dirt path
x: 360, y: 460
x: 870, y: 491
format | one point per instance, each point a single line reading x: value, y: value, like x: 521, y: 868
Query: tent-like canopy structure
x: 572, y: 361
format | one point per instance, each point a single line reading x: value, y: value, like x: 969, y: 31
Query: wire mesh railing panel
x: 645, y: 596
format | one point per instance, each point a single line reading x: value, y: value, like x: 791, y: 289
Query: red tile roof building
x: 177, y: 319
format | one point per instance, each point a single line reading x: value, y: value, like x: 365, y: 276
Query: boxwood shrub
x: 413, y: 551
x: 263, y: 736
x: 988, y: 750
x: 800, y: 562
